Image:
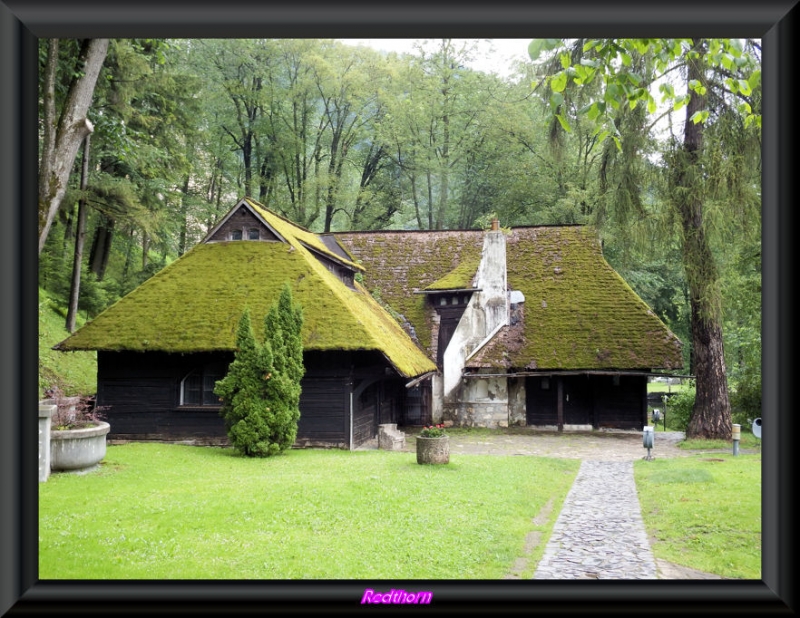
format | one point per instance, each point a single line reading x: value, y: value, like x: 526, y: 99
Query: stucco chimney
x: 487, y: 311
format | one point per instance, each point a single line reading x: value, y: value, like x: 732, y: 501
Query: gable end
x: 243, y: 223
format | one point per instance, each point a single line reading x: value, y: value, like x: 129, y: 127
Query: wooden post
x: 560, y: 404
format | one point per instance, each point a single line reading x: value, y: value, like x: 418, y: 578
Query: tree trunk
x: 145, y: 249
x: 711, y: 415
x: 184, y: 210
x: 101, y: 247
x: 80, y: 234
x: 64, y: 133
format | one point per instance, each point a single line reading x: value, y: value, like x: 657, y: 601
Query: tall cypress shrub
x: 282, y: 333
x: 261, y: 392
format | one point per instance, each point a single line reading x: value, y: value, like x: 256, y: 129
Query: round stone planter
x: 76, y: 450
x: 433, y: 450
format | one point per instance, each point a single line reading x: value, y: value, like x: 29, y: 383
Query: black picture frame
x: 22, y: 22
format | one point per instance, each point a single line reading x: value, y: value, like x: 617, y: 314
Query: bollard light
x: 736, y: 434
x: 647, y: 441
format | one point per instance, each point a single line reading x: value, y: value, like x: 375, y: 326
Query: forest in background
x: 337, y: 138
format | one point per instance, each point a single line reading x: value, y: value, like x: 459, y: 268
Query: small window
x: 253, y: 234
x: 545, y: 384
x: 236, y: 235
x: 616, y: 380
x: 197, y: 388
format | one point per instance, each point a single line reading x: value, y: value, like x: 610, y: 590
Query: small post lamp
x: 736, y: 434
x: 647, y: 439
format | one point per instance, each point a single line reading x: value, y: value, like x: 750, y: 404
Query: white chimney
x: 487, y: 311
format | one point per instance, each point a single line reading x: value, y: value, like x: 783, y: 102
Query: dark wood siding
x: 541, y: 403
x: 622, y: 406
x: 324, y: 412
x: 342, y: 272
x: 142, y: 393
x: 578, y: 400
x: 594, y: 400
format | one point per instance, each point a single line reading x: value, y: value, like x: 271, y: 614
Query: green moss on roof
x: 578, y: 312
x: 294, y: 233
x: 401, y: 264
x: 194, y: 305
x: 459, y: 278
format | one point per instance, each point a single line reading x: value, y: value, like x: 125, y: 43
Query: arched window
x: 253, y: 234
x: 236, y: 235
x: 197, y: 388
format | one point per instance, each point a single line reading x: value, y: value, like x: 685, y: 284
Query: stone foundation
x: 473, y: 414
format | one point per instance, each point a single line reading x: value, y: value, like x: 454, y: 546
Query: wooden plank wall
x: 324, y: 411
x: 593, y: 400
x: 623, y: 406
x: 142, y: 390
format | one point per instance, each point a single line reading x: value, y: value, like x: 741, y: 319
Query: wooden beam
x: 560, y: 404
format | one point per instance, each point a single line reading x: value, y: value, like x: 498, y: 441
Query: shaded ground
x: 611, y: 445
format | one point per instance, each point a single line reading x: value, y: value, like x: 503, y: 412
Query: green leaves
x: 537, y: 46
x: 558, y: 82
x: 261, y: 391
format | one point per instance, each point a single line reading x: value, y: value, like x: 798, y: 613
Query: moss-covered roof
x: 578, y: 312
x: 400, y: 265
x: 460, y: 278
x: 295, y: 234
x: 194, y: 304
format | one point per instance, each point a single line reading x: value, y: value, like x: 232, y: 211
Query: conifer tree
x: 261, y: 392
x: 282, y: 333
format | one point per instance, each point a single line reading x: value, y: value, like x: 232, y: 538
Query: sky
x: 498, y: 60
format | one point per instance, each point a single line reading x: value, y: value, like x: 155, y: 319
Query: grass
x: 704, y: 511
x: 75, y: 372
x: 663, y: 387
x: 747, y: 442
x: 156, y: 511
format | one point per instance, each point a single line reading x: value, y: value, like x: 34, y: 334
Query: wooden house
x: 161, y: 348
x: 529, y: 326
x: 473, y: 328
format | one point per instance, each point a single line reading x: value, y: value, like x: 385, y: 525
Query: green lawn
x: 158, y: 511
x: 704, y: 511
x: 663, y: 387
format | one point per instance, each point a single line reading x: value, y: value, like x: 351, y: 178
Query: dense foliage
x: 261, y: 392
x: 336, y: 137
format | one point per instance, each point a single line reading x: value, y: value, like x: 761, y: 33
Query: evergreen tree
x: 261, y: 392
x: 282, y: 334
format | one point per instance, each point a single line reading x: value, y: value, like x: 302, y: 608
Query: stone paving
x: 599, y: 533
